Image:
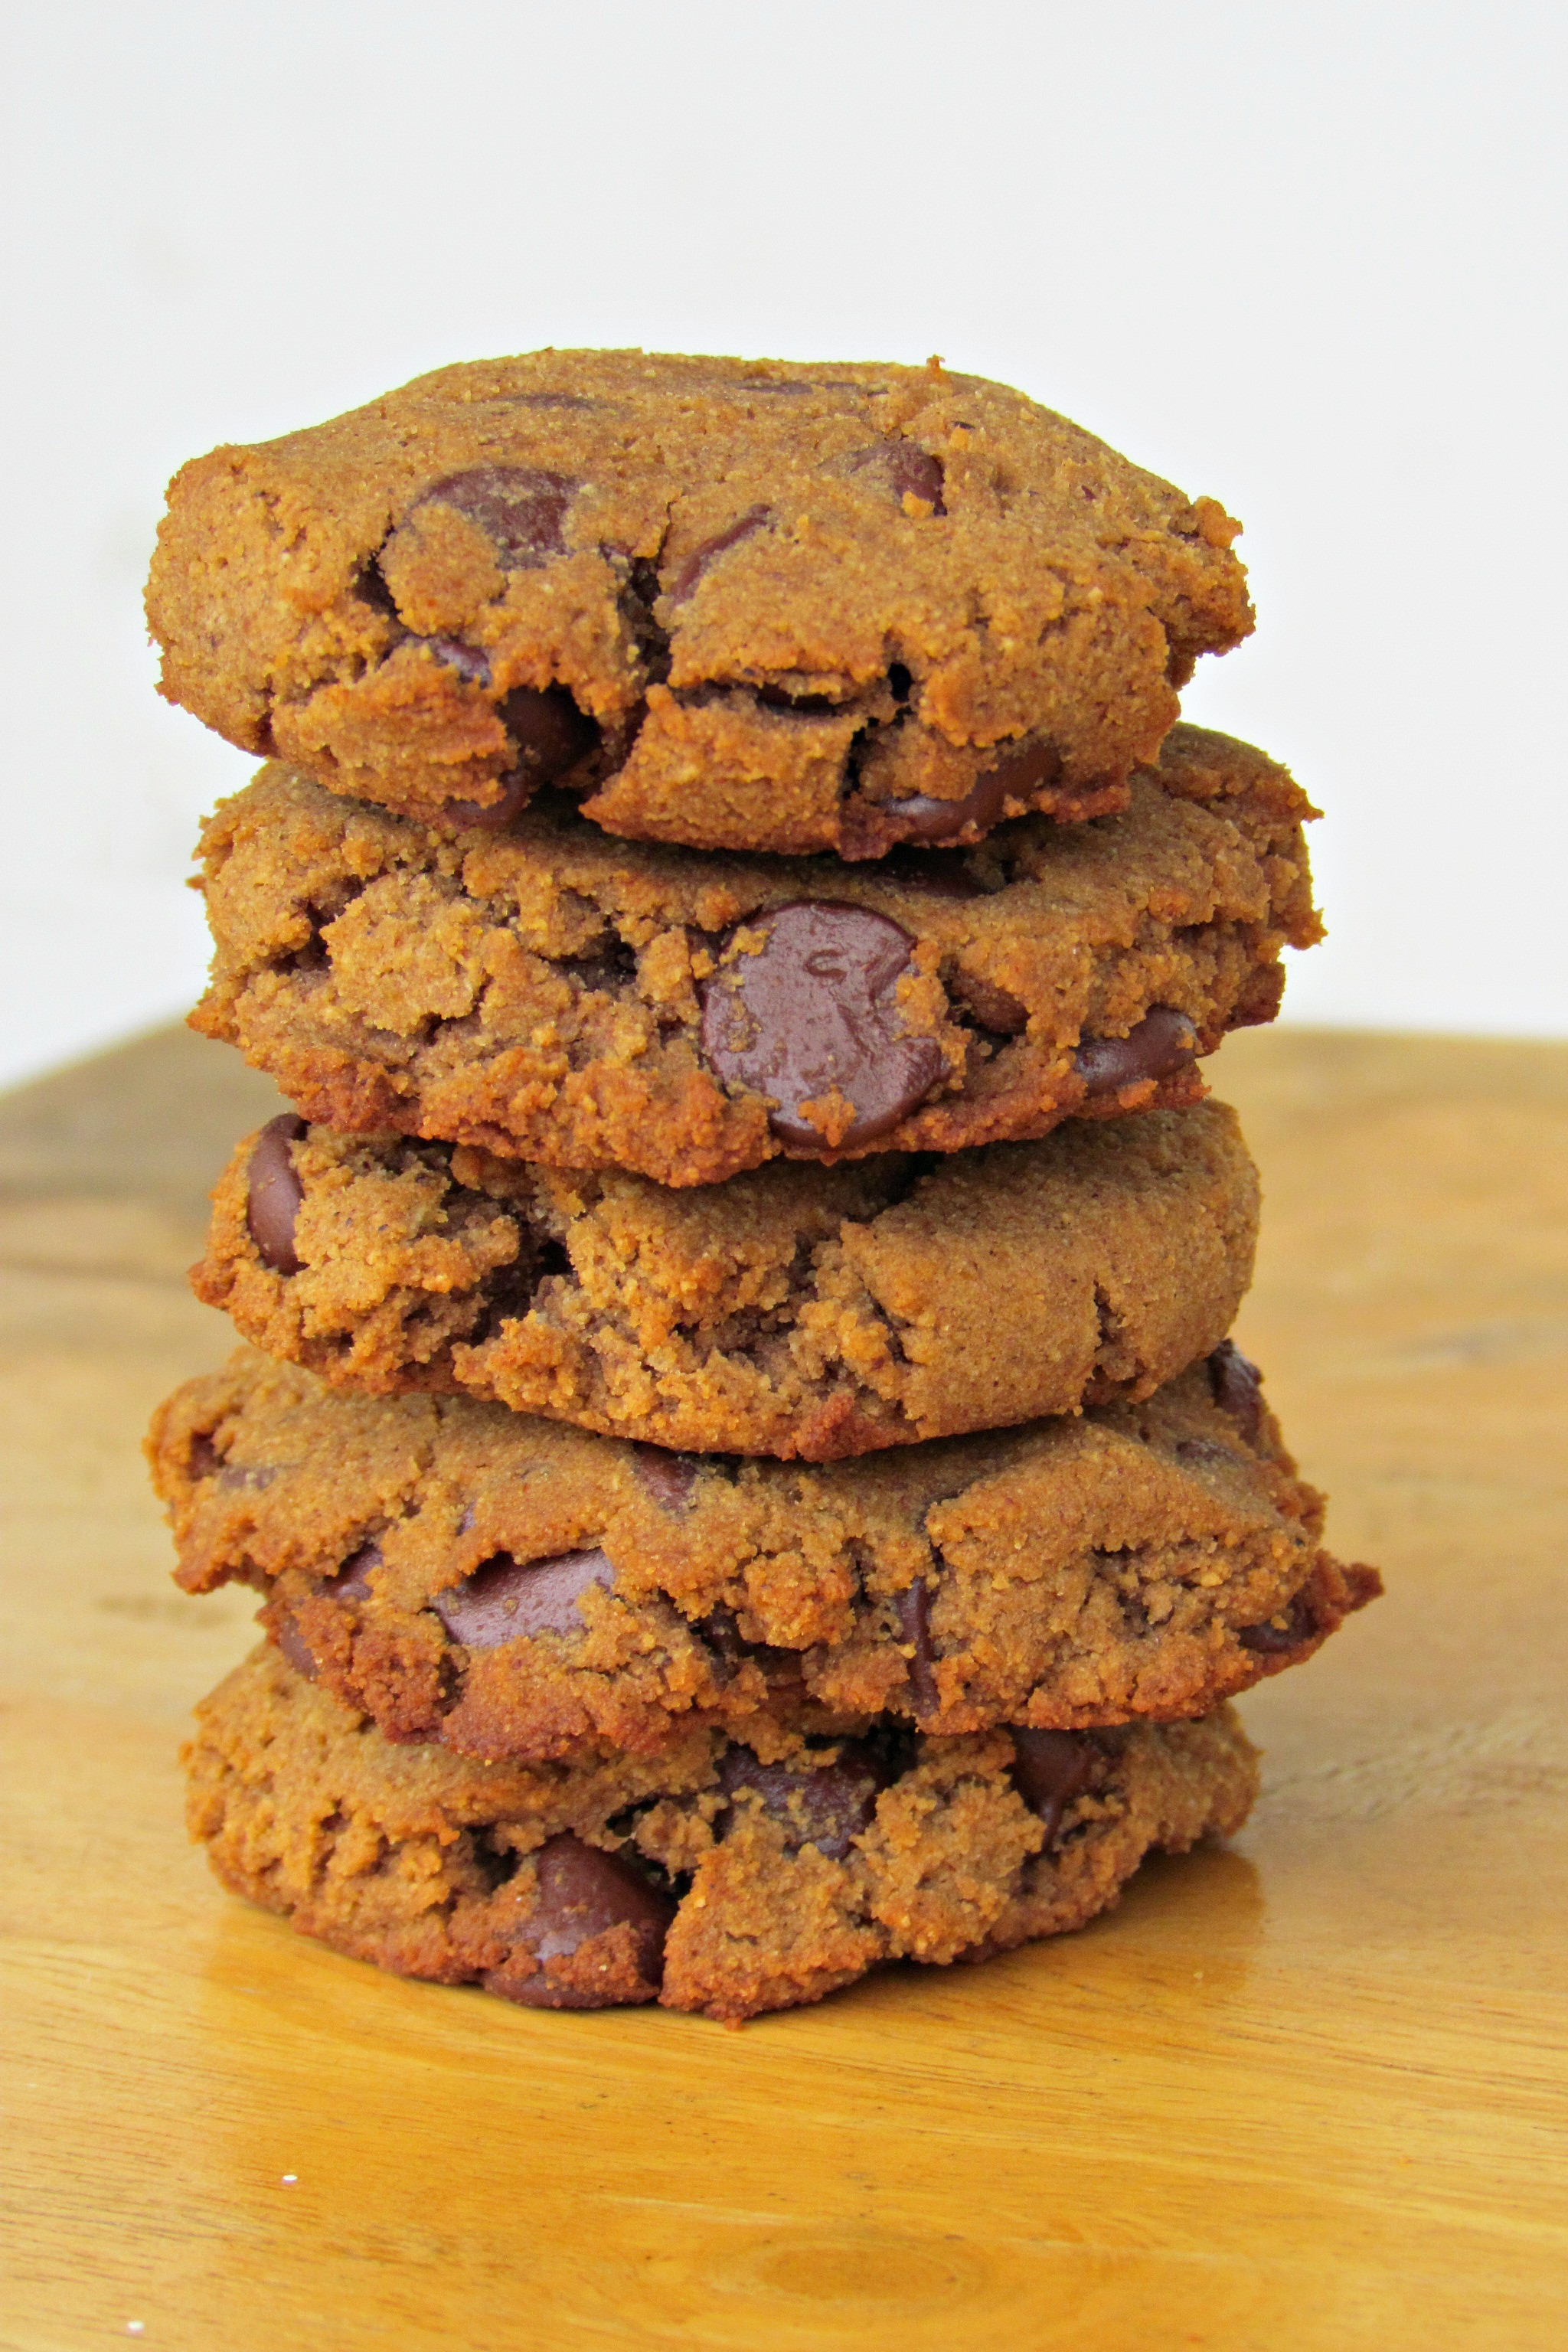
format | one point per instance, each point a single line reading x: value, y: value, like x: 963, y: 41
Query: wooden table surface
x: 1310, y: 2090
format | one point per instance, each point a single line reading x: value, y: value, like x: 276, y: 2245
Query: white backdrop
x: 1307, y: 258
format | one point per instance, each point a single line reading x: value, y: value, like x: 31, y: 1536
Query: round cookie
x: 795, y: 1310
x: 716, y: 1879
x: 745, y: 606
x: 550, y: 995
x: 511, y: 1587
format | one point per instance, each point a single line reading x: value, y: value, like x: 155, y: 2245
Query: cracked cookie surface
x: 712, y: 1878
x: 738, y: 606
x: 513, y: 1587
x: 793, y: 1311
x: 551, y: 995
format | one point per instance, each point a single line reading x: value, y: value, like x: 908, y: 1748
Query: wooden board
x: 1309, y: 2091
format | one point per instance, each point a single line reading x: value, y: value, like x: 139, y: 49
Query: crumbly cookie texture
x: 551, y: 995
x: 512, y: 1587
x: 704, y: 1879
x: 743, y: 606
x: 795, y: 1311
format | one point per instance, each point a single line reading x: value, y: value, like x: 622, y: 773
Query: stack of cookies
x: 738, y: 1438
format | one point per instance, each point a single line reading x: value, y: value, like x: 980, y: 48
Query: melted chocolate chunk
x: 1285, y: 1630
x: 720, y: 1629
x: 903, y: 468
x: 373, y: 590
x: 508, y: 1599
x: 471, y: 662
x: 580, y: 1893
x: 202, y: 1458
x: 1164, y: 1042
x: 1237, y: 1386
x: 814, y: 1013
x: 351, y: 1581
x: 517, y: 791
x: 551, y: 733
x: 826, y: 1808
x: 913, y: 1608
x: 990, y: 1007
x: 295, y: 1648
x: 1014, y: 777
x: 513, y: 1290
x: 519, y: 508
x: 545, y: 400
x: 272, y: 1202
x: 1050, y: 1769
x: 1204, y: 1449
x: 670, y: 1478
x: 699, y: 559
x: 237, y: 1478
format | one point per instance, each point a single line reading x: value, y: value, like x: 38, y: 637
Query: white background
x: 1306, y: 258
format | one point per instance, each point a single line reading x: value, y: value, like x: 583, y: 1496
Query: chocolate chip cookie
x: 716, y: 1877
x: 796, y: 1310
x: 740, y: 606
x: 551, y: 995
x: 512, y: 1587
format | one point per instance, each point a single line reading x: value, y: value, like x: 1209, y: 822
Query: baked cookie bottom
x: 510, y: 1586
x: 796, y: 1310
x: 550, y: 995
x: 710, y: 1879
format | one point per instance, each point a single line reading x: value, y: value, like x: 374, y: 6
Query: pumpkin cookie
x: 549, y: 995
x: 719, y: 1877
x: 737, y: 605
x: 512, y: 1587
x: 793, y: 1311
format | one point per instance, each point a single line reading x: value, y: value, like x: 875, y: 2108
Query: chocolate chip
x: 508, y: 1599
x: 913, y: 1608
x: 519, y: 508
x: 1050, y: 1769
x: 826, y: 1808
x: 351, y: 1581
x: 582, y: 1894
x: 202, y: 1458
x: 544, y: 400
x: 272, y: 1202
x: 471, y: 663
x: 720, y: 1629
x: 517, y: 791
x: 1237, y: 1387
x: 510, y: 1291
x: 1014, y: 777
x: 1164, y: 1042
x: 813, y: 1012
x: 668, y: 1477
x: 296, y: 1649
x: 904, y: 469
x: 371, y: 589
x: 991, y: 1008
x: 552, y: 736
x: 699, y: 559
x: 1285, y: 1630
x: 1203, y: 1449
x: 551, y: 733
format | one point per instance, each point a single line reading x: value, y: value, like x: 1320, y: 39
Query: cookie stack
x: 738, y: 1440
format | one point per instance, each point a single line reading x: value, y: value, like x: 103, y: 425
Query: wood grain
x: 1308, y: 2092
